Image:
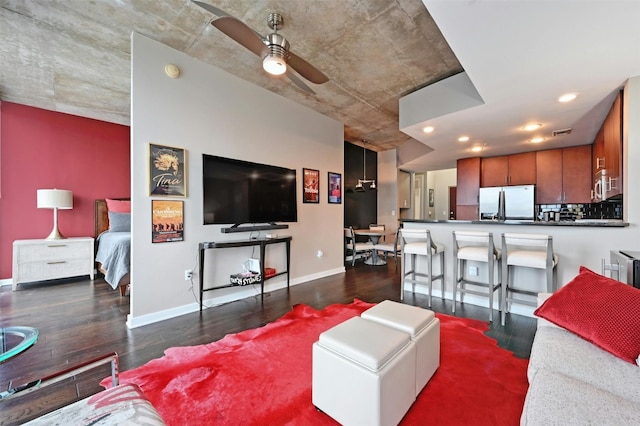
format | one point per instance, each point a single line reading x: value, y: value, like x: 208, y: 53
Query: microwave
x: 624, y: 266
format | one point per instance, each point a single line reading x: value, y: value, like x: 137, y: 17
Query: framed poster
x: 431, y: 198
x: 311, y: 183
x: 167, y: 166
x: 167, y: 221
x: 335, y: 188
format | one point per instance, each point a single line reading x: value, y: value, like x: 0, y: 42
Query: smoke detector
x: 561, y: 132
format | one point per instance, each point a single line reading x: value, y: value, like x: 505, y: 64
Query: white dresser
x: 39, y: 260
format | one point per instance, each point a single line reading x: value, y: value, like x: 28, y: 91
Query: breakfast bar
x: 576, y: 243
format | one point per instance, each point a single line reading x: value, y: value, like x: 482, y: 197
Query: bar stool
x: 529, y: 251
x: 475, y: 247
x: 418, y: 242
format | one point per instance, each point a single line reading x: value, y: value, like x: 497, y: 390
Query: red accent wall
x: 45, y: 149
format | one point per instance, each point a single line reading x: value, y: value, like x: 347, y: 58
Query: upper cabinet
x: 516, y: 169
x: 563, y: 175
x: 467, y: 188
x: 404, y: 190
x: 607, y: 151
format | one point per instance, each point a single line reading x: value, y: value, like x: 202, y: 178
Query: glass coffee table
x: 14, y: 340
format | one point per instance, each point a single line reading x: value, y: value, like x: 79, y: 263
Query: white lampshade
x: 55, y: 199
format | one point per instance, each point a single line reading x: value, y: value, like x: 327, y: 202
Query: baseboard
x: 6, y: 281
x: 247, y: 291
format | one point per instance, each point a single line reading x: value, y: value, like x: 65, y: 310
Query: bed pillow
x: 119, y: 222
x: 601, y: 310
x: 118, y: 206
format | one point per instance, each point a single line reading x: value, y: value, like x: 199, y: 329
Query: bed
x: 113, y: 242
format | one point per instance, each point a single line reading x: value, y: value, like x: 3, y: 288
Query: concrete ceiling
x: 73, y: 56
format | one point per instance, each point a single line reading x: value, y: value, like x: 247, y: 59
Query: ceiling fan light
x: 274, y: 64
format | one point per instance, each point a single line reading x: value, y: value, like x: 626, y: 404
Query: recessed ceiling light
x: 531, y: 127
x: 428, y: 129
x: 536, y: 140
x: 567, y: 97
x: 463, y: 138
x: 476, y: 149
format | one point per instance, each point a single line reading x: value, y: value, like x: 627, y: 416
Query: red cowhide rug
x: 263, y: 376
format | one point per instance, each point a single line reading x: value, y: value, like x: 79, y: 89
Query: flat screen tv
x: 238, y: 192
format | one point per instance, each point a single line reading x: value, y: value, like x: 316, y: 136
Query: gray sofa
x: 573, y: 382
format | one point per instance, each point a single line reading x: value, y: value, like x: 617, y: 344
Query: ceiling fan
x: 277, y: 59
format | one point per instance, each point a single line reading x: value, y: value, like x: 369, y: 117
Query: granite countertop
x: 611, y: 223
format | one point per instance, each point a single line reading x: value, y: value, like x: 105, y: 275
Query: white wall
x: 209, y: 111
x: 440, y: 181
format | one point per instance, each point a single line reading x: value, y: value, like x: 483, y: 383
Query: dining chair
x: 391, y: 248
x: 378, y: 228
x: 353, y: 248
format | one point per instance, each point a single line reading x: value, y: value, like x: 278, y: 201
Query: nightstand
x: 40, y: 260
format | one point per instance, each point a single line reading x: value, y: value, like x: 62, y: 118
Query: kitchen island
x: 576, y: 243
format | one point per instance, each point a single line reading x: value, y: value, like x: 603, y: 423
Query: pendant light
x: 360, y: 185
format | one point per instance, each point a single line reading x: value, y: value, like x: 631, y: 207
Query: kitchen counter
x: 600, y: 223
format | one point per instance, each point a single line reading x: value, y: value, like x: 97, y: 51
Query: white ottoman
x: 424, y: 329
x: 363, y: 373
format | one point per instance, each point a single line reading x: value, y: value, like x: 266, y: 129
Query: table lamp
x: 55, y: 199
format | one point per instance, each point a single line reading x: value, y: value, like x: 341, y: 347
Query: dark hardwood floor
x: 79, y: 320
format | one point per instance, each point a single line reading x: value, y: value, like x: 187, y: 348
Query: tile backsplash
x: 603, y: 210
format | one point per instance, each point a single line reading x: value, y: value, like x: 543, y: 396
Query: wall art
x: 167, y: 221
x: 167, y: 171
x: 311, y: 185
x: 335, y: 188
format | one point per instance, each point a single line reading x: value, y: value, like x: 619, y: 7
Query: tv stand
x: 238, y: 227
x: 262, y: 242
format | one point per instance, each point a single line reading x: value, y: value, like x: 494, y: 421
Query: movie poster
x: 311, y: 180
x: 167, y: 221
x: 335, y: 188
x: 167, y: 171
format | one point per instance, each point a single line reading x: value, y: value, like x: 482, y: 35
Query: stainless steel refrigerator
x: 507, y: 203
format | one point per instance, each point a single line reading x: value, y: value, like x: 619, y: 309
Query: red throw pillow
x: 603, y: 311
x: 118, y: 206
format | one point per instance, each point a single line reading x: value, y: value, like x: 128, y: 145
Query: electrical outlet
x: 188, y: 274
x: 473, y: 271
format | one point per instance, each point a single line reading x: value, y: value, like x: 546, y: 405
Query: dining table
x: 374, y: 237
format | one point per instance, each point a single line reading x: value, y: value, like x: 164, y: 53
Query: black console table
x: 262, y: 242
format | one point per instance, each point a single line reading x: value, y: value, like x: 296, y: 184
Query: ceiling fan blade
x: 301, y: 84
x: 240, y: 32
x: 212, y: 9
x: 306, y: 70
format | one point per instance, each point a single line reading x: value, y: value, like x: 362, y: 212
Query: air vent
x: 561, y: 132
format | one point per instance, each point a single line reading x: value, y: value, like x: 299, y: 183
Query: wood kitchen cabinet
x: 563, y: 175
x: 598, y: 151
x: 613, y: 147
x: 468, y: 188
x: 516, y: 169
x: 607, y: 149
